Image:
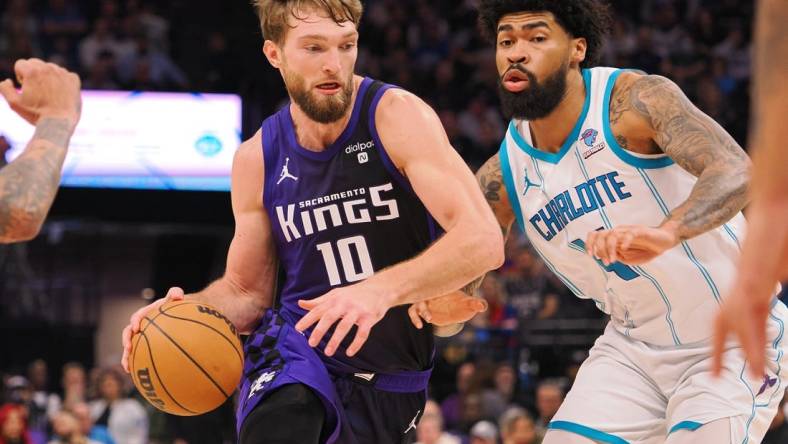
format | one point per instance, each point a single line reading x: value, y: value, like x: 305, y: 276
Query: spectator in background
x: 155, y: 27
x: 475, y: 114
x: 452, y: 406
x: 517, y: 427
x: 549, y: 396
x: 100, y: 41
x: 146, y: 68
x: 430, y: 428
x: 13, y: 429
x: 527, y: 282
x: 778, y: 430
x: 504, y: 393
x: 62, y: 24
x: 102, y: 74
x: 124, y: 417
x: 484, y: 432
x: 66, y: 430
x: 41, y: 397
x: 501, y: 314
x: 99, y: 434
x: 74, y: 386
x: 20, y: 393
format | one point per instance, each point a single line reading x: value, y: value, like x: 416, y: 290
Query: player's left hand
x: 349, y: 306
x: 450, y: 309
x: 630, y: 244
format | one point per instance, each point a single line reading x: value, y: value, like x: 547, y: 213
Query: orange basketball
x: 186, y: 359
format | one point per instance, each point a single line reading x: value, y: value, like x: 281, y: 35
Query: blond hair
x: 273, y: 14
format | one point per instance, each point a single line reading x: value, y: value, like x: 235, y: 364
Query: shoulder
x: 642, y: 90
x: 636, y: 84
x: 251, y: 149
x: 248, y: 158
x: 398, y: 107
x: 248, y: 170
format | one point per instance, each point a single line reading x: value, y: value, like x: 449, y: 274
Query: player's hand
x: 47, y: 91
x: 346, y: 306
x: 745, y: 317
x: 450, y: 309
x: 174, y: 294
x: 630, y: 244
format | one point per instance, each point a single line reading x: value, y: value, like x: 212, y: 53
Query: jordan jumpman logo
x: 285, y: 173
x: 529, y: 183
x: 412, y: 425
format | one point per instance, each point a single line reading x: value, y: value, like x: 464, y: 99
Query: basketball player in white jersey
x: 632, y: 196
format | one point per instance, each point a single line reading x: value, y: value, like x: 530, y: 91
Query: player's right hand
x: 174, y: 294
x: 47, y: 91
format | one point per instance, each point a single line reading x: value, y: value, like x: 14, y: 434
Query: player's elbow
x: 21, y: 223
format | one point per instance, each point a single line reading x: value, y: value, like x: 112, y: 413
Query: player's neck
x: 316, y: 136
x: 550, y: 133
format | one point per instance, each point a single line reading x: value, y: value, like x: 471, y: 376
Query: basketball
x: 186, y: 359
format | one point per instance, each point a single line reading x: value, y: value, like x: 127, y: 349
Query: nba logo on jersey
x: 363, y: 158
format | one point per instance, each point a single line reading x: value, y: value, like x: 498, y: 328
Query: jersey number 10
x: 345, y: 247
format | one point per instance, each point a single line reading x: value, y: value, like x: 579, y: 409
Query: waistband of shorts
x: 401, y: 382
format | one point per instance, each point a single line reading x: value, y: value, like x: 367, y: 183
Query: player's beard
x: 538, y: 100
x: 320, y: 108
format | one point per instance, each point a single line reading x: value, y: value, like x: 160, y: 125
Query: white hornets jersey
x: 593, y: 184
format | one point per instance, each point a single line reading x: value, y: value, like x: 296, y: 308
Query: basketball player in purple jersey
x: 355, y: 194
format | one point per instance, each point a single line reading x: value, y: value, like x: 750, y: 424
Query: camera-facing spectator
x: 13, y: 426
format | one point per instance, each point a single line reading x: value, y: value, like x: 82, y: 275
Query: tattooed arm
x: 699, y: 145
x: 29, y: 183
x: 650, y: 114
x: 50, y: 99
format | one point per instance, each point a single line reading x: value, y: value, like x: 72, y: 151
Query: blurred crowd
x: 487, y: 403
x: 489, y: 386
x: 432, y: 48
x: 95, y: 406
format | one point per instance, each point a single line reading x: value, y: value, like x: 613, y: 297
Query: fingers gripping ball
x: 186, y: 359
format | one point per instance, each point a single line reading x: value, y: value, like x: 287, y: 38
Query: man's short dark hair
x: 589, y: 19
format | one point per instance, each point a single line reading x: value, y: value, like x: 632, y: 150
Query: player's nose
x: 331, y: 63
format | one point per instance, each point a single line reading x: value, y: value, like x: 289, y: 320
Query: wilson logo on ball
x: 148, y: 390
x: 216, y: 314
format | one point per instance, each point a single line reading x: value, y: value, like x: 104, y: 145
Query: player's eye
x: 539, y: 39
x: 348, y: 46
x: 312, y: 48
x: 505, y: 43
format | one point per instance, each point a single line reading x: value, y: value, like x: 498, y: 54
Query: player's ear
x: 273, y: 53
x: 579, y: 47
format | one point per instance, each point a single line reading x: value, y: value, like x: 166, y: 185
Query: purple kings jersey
x: 340, y: 215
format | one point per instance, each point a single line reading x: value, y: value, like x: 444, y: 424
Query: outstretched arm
x: 50, y: 100
x: 662, y: 114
